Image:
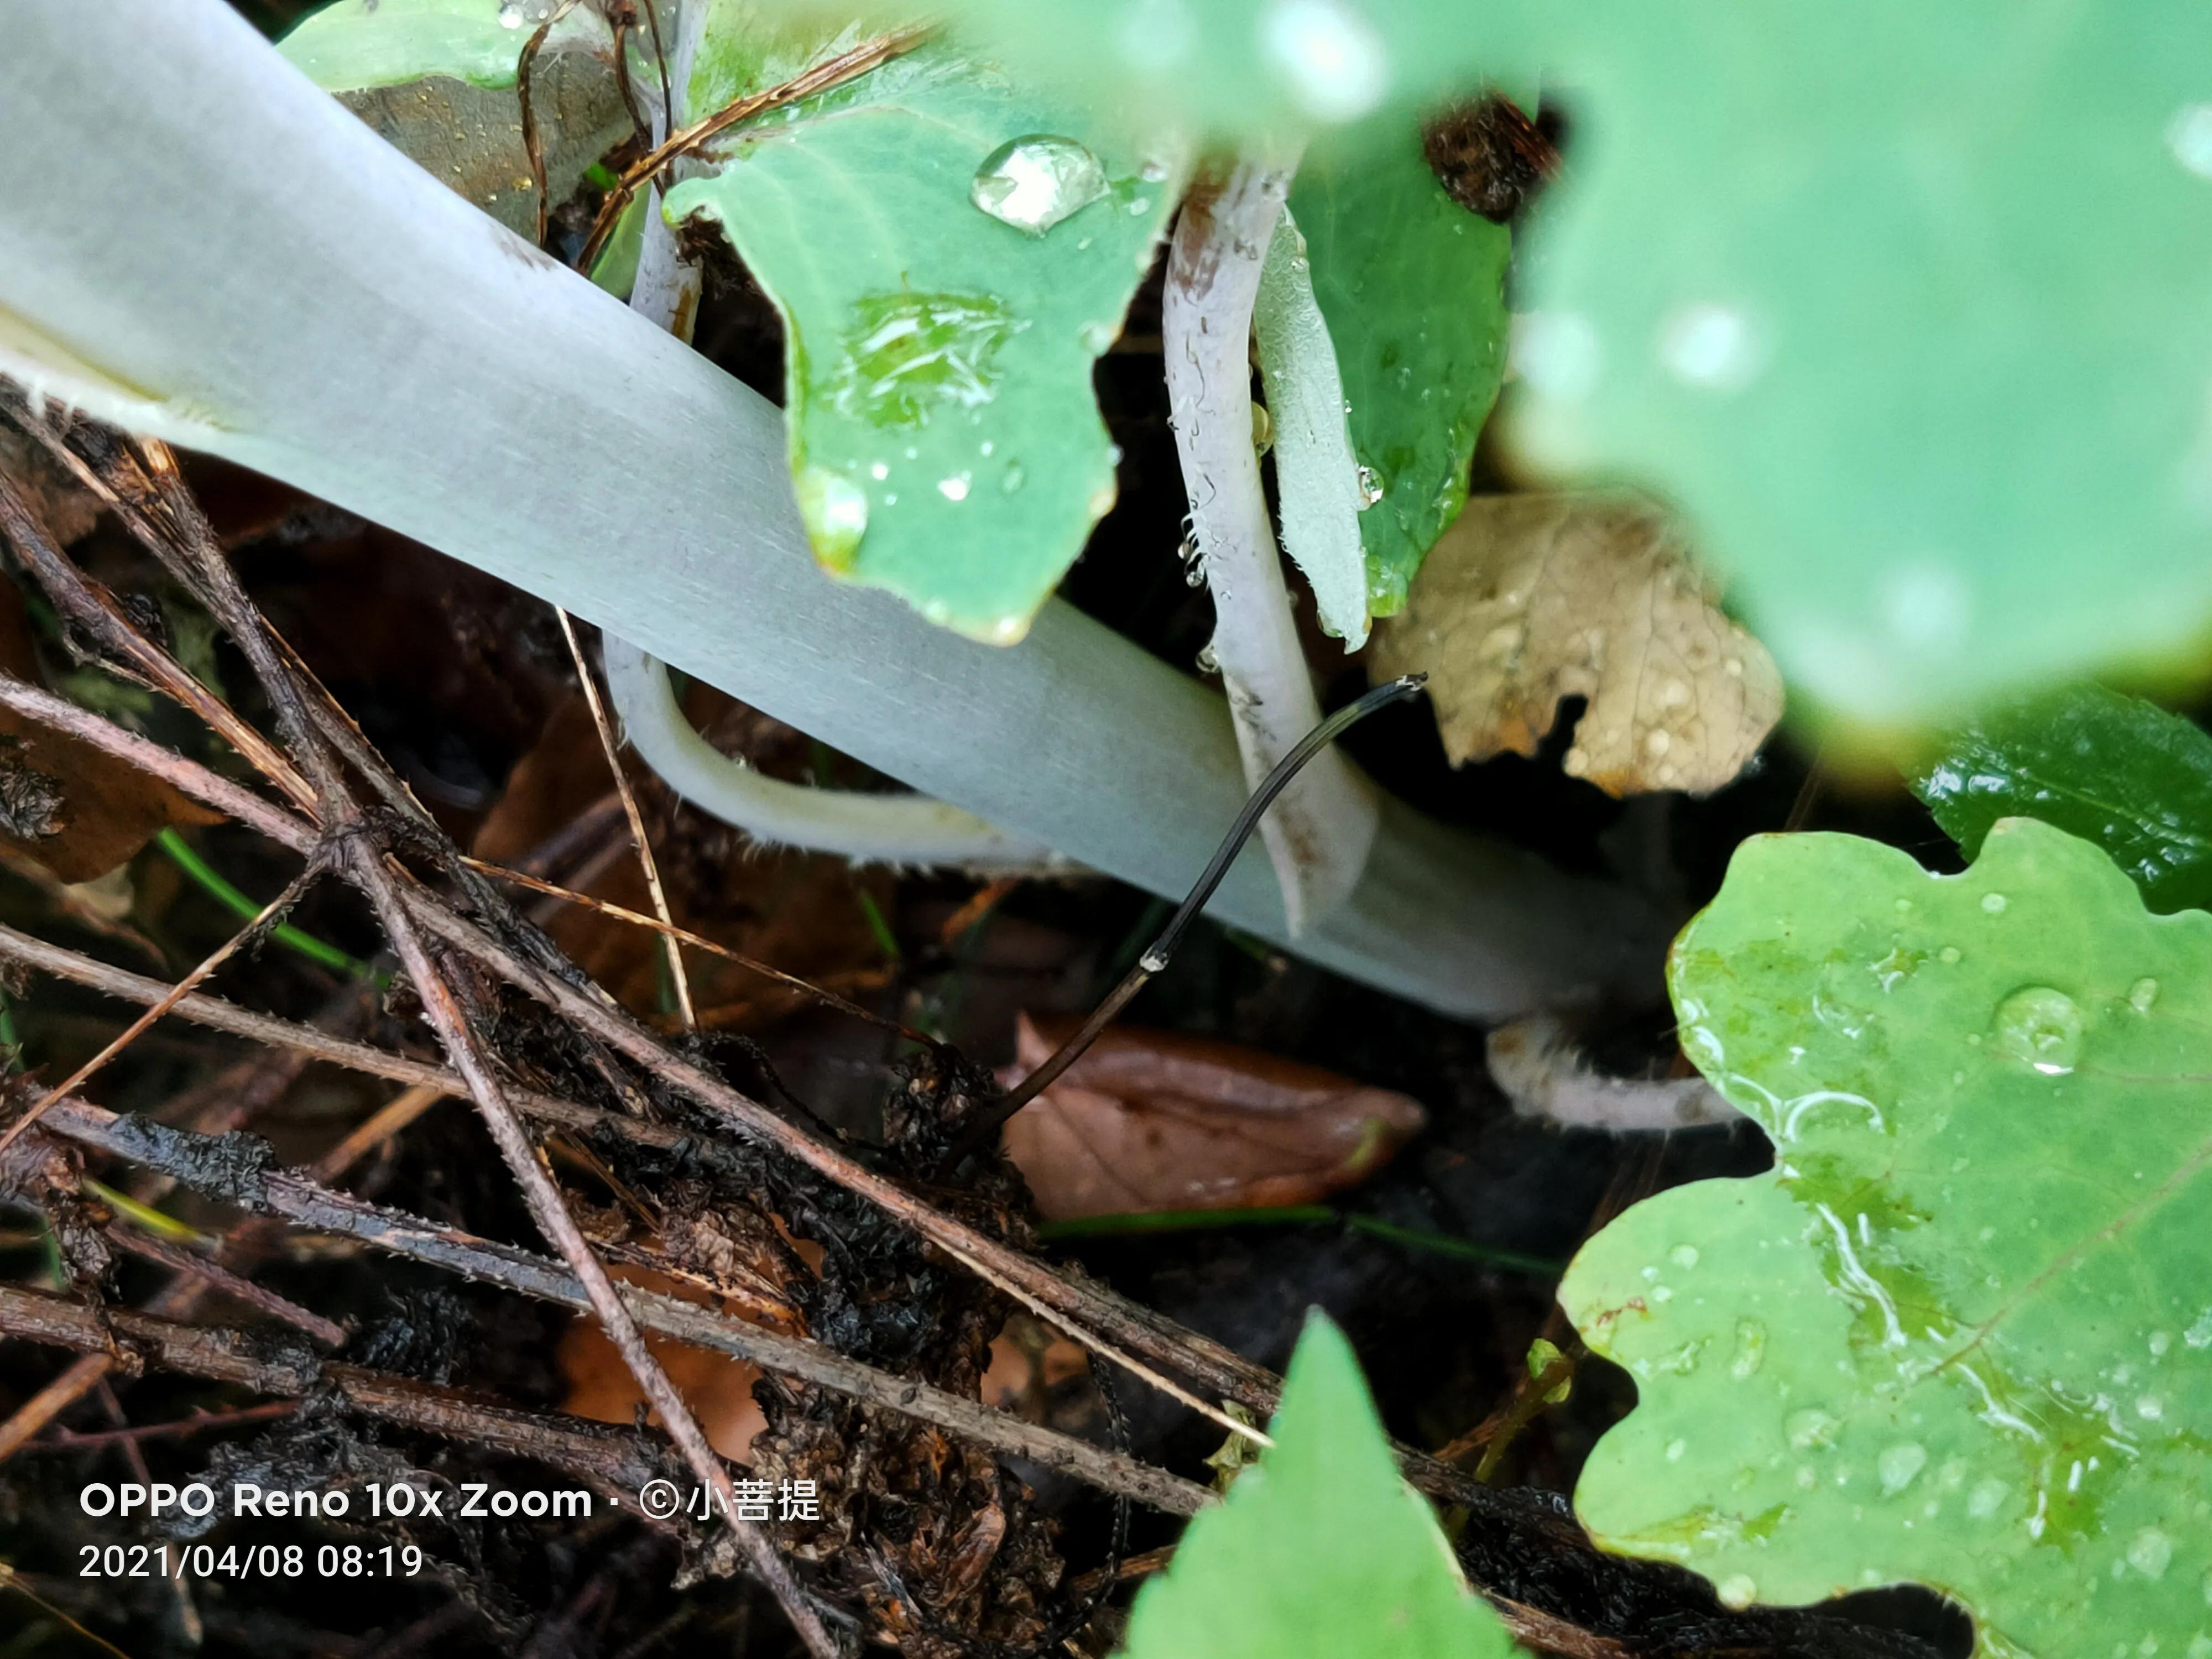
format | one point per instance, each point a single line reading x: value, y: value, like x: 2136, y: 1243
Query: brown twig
x: 612, y: 1458
x: 189, y: 545
x: 66, y: 1440
x: 637, y: 835
x: 224, y: 1282
x: 669, y: 930
x: 218, y: 1171
x: 835, y: 72
x: 182, y: 988
x: 524, y: 62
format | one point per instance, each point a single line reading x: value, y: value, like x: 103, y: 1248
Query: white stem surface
x: 877, y: 829
x: 1319, y: 832
x: 212, y: 251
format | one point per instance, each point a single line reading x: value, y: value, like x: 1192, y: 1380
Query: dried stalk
x: 638, y: 838
x: 214, y: 1167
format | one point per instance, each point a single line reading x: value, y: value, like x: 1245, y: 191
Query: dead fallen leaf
x: 718, y: 1388
x: 1530, y: 599
x: 1160, y: 1121
x: 106, y: 809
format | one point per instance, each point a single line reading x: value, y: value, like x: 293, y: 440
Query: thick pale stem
x: 215, y: 252
x: 1319, y: 833
x: 878, y: 829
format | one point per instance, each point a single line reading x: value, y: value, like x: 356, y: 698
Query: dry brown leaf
x: 1159, y: 1121
x: 1530, y: 599
x: 108, y: 809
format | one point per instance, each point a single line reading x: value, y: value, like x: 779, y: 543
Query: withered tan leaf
x: 1150, y: 1121
x: 1530, y: 599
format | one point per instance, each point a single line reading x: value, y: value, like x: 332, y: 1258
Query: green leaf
x: 358, y: 44
x: 1321, y: 1551
x: 1413, y: 286
x: 1233, y: 70
x: 943, y: 437
x: 1959, y: 1334
x: 2113, y: 769
x: 1906, y: 305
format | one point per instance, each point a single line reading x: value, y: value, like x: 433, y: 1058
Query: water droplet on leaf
x: 1370, y: 487
x: 2041, y: 1026
x: 834, y: 510
x: 2150, y: 1553
x: 1750, y: 1349
x: 1738, y: 1591
x: 1033, y: 183
x: 2141, y: 995
x: 1995, y: 903
x: 1900, y: 1466
x: 1811, y: 1428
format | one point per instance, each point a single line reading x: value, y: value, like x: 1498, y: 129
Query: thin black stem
x: 1158, y: 953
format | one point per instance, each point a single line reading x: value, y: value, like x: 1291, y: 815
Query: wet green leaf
x: 2114, y: 769
x: 950, y: 254
x: 1962, y: 1335
x: 1413, y: 287
x: 1319, y: 1550
x: 359, y: 44
x: 1233, y: 69
x: 1905, y: 305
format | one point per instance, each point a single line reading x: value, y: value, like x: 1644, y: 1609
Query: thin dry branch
x: 613, y: 1459
x: 846, y: 66
x: 176, y: 993
x: 224, y: 1167
x: 184, y: 542
x: 645, y: 862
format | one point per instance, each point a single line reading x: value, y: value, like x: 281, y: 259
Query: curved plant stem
x: 1319, y: 833
x: 884, y: 829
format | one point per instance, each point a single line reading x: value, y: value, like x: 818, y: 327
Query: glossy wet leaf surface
x: 1318, y: 1552
x: 1413, y: 287
x: 950, y: 254
x: 2112, y: 768
x: 1962, y: 1335
x: 1905, y: 306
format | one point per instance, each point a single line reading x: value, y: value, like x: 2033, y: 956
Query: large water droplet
x: 1750, y: 1349
x: 1983, y: 1502
x: 1995, y: 903
x: 836, y: 512
x: 1032, y: 183
x: 1331, y: 56
x: 2141, y: 995
x: 954, y: 488
x: 1738, y: 1591
x: 1900, y: 1466
x: 2150, y: 1553
x: 2042, y: 1027
x: 1263, y: 429
x: 510, y: 15
x: 1370, y: 487
x: 1811, y: 1428
x: 1684, y: 1255
x: 1016, y: 476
